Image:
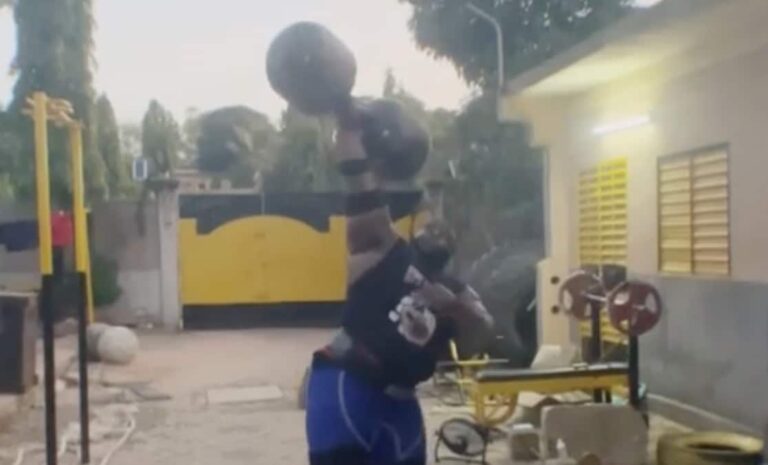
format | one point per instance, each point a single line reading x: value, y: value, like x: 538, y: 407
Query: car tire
x: 709, y: 448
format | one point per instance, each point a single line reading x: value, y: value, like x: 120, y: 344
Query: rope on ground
x: 126, y: 435
x: 105, y: 425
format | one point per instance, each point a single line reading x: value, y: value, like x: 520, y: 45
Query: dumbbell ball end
x: 397, y: 143
x: 311, y: 68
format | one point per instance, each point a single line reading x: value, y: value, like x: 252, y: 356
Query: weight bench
x: 463, y: 370
x: 495, y: 391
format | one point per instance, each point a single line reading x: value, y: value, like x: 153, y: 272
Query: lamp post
x: 499, y: 49
x: 499, y: 53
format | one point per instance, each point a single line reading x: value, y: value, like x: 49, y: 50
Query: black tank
x: 397, y: 340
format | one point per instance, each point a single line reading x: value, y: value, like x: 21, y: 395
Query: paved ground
x: 187, y: 429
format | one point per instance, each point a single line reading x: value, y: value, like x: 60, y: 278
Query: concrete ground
x: 188, y: 428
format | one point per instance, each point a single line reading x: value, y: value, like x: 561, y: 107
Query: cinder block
x: 616, y: 434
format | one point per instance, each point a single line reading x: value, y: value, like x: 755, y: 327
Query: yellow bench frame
x: 495, y: 397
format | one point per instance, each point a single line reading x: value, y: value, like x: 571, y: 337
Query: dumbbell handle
x: 595, y: 297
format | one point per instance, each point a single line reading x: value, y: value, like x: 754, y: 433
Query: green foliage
x: 160, y: 139
x: 499, y: 178
x: 440, y: 123
x: 104, y: 273
x: 233, y: 143
x: 10, y: 153
x: 55, y: 55
x: 108, y: 139
x: 302, y: 159
x: 190, y: 133
x: 533, y: 30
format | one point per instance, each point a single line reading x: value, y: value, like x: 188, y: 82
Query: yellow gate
x: 245, y: 253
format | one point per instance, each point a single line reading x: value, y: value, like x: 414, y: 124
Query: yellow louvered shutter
x: 603, y: 224
x: 675, y: 231
x: 694, y: 214
x: 711, y: 235
x: 612, y: 188
x: 589, y: 218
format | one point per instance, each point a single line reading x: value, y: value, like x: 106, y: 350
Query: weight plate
x: 634, y: 307
x: 579, y: 293
x: 462, y: 437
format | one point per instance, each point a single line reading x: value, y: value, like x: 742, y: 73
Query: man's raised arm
x: 369, y: 226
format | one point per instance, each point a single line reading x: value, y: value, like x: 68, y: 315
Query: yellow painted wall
x: 267, y: 260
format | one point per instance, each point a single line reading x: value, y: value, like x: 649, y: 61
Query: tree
x: 160, y: 139
x: 130, y: 140
x: 108, y: 139
x: 440, y: 123
x: 10, y: 153
x: 190, y: 132
x: 55, y: 55
x: 533, y: 31
x: 302, y: 159
x: 499, y: 179
x: 233, y: 143
x: 393, y: 90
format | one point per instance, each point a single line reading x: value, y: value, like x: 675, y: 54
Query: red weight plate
x: 578, y: 294
x: 634, y: 307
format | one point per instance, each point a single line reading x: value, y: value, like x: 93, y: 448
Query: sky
x: 208, y: 54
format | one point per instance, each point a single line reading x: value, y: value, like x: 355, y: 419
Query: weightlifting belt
x: 347, y: 352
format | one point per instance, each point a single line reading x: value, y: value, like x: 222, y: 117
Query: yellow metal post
x: 82, y: 262
x: 39, y: 113
x: 82, y: 266
x: 42, y: 181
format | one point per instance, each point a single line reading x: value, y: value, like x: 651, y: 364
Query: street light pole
x: 499, y: 53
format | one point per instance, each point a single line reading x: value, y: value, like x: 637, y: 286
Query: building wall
x: 18, y: 270
x: 709, y: 350
x: 724, y: 104
x: 114, y: 235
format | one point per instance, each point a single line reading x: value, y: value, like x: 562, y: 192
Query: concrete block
x: 617, y: 435
x: 552, y: 356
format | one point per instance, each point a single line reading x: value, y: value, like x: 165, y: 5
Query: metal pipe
x: 499, y: 43
x: 39, y: 104
x: 81, y: 265
x: 42, y: 180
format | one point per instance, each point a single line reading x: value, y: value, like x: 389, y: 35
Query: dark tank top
x: 395, y: 340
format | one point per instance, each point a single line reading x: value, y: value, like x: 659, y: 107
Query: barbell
x: 633, y: 307
x: 314, y: 71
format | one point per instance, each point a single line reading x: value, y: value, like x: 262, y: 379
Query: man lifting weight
x: 400, y: 315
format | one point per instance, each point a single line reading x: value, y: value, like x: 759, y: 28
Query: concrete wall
x: 710, y: 350
x: 114, y: 234
x: 18, y: 270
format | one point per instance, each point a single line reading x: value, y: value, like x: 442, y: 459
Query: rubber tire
x: 737, y: 449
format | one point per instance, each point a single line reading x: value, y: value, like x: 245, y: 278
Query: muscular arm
x: 474, y: 325
x: 369, y: 227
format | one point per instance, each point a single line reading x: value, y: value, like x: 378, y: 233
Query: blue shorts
x: 351, y: 422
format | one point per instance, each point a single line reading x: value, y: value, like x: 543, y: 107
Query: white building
x: 657, y: 133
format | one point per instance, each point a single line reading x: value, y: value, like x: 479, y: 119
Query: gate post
x: 168, y: 221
